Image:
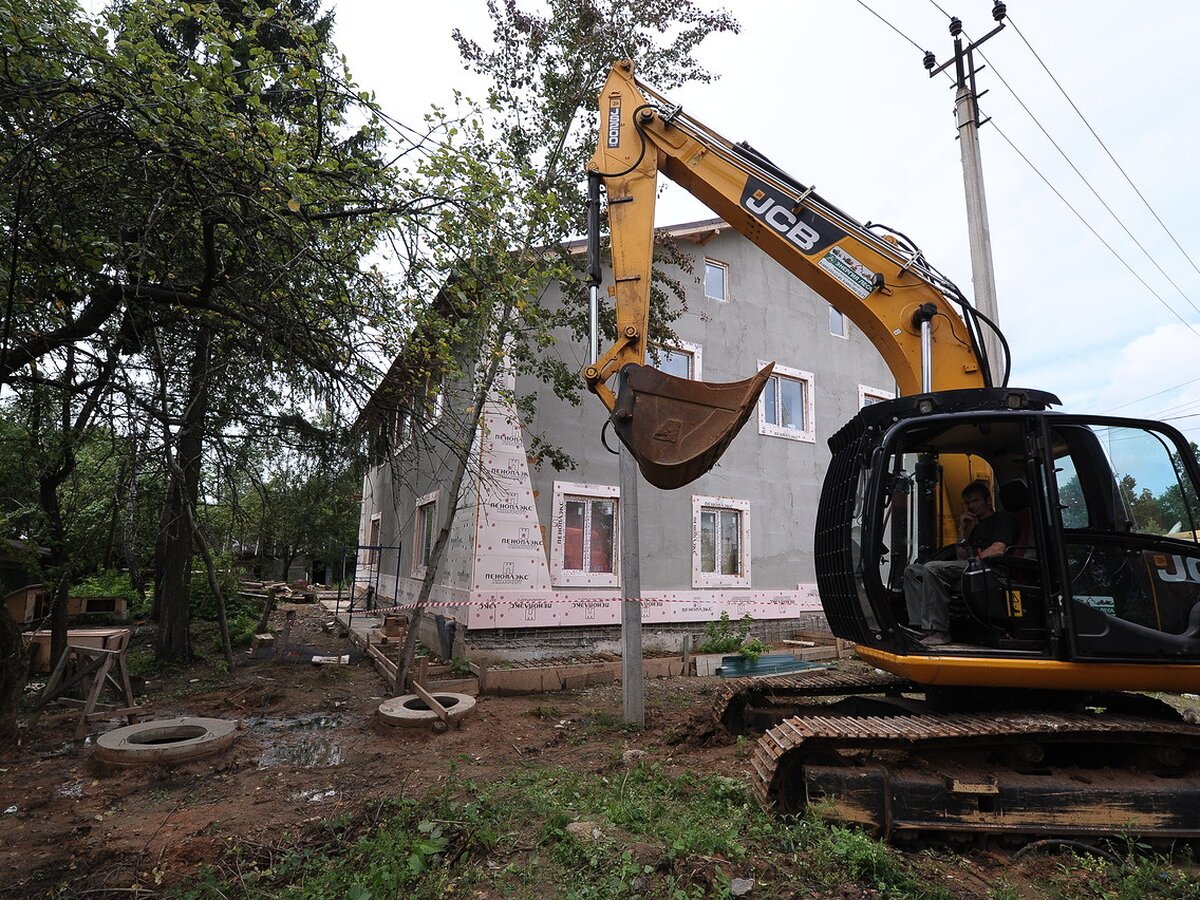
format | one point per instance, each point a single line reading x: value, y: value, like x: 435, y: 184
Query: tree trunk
x: 174, y: 640
x: 48, y: 485
x: 14, y: 669
x: 289, y: 557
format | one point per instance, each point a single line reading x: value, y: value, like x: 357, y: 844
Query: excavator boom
x: 1031, y: 690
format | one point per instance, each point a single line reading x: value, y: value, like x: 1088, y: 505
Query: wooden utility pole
x: 966, y: 112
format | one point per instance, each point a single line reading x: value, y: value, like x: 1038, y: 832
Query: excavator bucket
x: 677, y: 428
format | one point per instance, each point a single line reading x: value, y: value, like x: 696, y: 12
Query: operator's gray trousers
x: 927, y: 589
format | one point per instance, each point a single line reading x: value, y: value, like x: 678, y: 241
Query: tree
x: 194, y: 188
x: 525, y: 162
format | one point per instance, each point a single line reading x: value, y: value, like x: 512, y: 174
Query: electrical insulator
x: 955, y: 26
x: 930, y: 60
x: 999, y: 11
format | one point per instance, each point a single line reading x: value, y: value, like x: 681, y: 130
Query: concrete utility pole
x: 966, y: 111
x: 632, y: 669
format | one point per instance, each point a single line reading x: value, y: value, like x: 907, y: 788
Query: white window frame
x: 402, y: 428
x: 701, y: 578
x: 845, y: 335
x: 864, y: 391
x: 709, y: 261
x: 420, y: 563
x: 374, y: 525
x: 405, y: 413
x: 808, y: 433
x: 560, y: 575
x: 695, y: 351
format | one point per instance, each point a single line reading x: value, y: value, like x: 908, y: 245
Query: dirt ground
x: 308, y: 752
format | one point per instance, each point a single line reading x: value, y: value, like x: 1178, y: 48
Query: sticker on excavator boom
x: 801, y: 227
x: 853, y: 275
x: 614, y: 123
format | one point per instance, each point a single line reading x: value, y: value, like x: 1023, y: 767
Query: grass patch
x: 1137, y: 875
x: 651, y: 834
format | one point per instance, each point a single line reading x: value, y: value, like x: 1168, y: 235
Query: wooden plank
x: 432, y: 702
x: 386, y: 667
x: 480, y: 671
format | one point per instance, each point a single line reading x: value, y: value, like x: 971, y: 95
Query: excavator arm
x: 927, y: 333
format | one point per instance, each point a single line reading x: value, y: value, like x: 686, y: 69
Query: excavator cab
x: 1106, y: 568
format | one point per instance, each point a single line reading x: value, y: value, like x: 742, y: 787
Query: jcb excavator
x: 1031, y: 722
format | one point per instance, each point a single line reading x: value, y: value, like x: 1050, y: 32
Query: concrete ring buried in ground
x: 410, y: 711
x: 164, y: 741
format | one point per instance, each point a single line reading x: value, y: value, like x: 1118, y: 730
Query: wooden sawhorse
x: 99, y: 664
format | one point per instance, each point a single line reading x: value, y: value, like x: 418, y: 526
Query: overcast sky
x: 841, y: 101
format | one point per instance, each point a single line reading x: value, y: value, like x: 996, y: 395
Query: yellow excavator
x: 1035, y: 719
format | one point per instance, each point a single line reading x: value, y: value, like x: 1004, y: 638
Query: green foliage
x: 509, y: 837
x: 723, y: 636
x: 753, y: 649
x: 204, y: 603
x: 1139, y: 874
x: 107, y: 583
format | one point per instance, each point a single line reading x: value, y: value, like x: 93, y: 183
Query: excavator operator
x: 928, y: 586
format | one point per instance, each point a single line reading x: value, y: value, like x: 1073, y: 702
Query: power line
x: 1155, y: 394
x: 1102, y: 144
x: 1061, y: 152
x: 1095, y: 193
x: 891, y: 26
x: 1089, y: 227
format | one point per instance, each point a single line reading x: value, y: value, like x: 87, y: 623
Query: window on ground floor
x: 720, y: 542
x: 584, y: 545
x: 425, y: 532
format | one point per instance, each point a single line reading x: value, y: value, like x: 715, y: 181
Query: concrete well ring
x: 410, y: 711
x: 164, y: 741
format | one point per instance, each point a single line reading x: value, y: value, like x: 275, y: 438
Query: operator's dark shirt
x: 999, y: 526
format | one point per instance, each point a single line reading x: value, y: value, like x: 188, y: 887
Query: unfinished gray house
x: 534, y: 552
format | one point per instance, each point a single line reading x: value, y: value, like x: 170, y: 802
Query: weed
x: 722, y: 636
x: 511, y: 838
x: 547, y: 712
x: 753, y: 649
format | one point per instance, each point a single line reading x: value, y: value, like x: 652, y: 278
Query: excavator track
x: 755, y: 704
x: 955, y: 776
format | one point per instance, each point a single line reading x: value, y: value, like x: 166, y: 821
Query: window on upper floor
x: 420, y: 415
x: 716, y: 279
x: 869, y: 395
x: 838, y: 325
x: 681, y: 359
x: 786, y: 406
